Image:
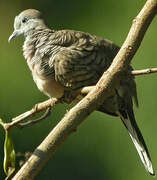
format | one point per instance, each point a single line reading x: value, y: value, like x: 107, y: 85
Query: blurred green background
x: 100, y: 148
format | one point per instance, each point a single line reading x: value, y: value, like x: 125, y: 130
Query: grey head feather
x: 26, y: 22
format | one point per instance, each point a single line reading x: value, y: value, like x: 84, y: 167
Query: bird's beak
x: 13, y: 35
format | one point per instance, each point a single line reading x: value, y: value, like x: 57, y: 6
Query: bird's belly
x: 49, y: 86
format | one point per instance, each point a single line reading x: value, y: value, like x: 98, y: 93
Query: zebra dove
x: 64, y: 61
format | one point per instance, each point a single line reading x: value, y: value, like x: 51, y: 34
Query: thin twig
x: 90, y: 102
x: 35, y: 121
x: 37, y: 108
x: 86, y: 90
x: 144, y: 71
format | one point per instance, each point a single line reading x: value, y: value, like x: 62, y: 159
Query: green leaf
x: 1, y: 123
x: 9, y: 155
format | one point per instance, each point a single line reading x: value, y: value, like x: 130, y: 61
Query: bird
x: 64, y: 61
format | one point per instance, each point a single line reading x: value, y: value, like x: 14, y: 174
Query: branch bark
x: 144, y: 71
x: 96, y: 96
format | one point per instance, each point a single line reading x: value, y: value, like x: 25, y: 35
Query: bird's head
x: 26, y: 22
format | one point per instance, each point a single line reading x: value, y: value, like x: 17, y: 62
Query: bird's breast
x: 45, y: 83
x: 48, y: 85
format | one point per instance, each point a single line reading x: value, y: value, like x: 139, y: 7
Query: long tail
x: 128, y: 120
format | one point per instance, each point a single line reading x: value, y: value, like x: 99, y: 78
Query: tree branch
x: 144, y: 71
x: 96, y: 96
x: 37, y: 108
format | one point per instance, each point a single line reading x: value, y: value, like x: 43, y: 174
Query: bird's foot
x: 68, y: 97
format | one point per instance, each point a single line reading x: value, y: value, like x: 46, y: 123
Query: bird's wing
x: 81, y: 59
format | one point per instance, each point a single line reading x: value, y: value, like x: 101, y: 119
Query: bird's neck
x: 32, y: 39
x: 34, y: 42
x: 29, y: 47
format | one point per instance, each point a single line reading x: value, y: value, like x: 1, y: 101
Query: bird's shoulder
x: 69, y: 37
x: 52, y: 41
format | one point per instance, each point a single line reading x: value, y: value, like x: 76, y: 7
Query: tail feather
x: 137, y: 139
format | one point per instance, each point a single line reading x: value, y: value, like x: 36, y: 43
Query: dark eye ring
x: 24, y: 19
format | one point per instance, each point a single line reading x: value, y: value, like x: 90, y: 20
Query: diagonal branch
x: 96, y: 96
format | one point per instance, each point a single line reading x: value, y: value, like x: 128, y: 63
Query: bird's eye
x: 24, y: 19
